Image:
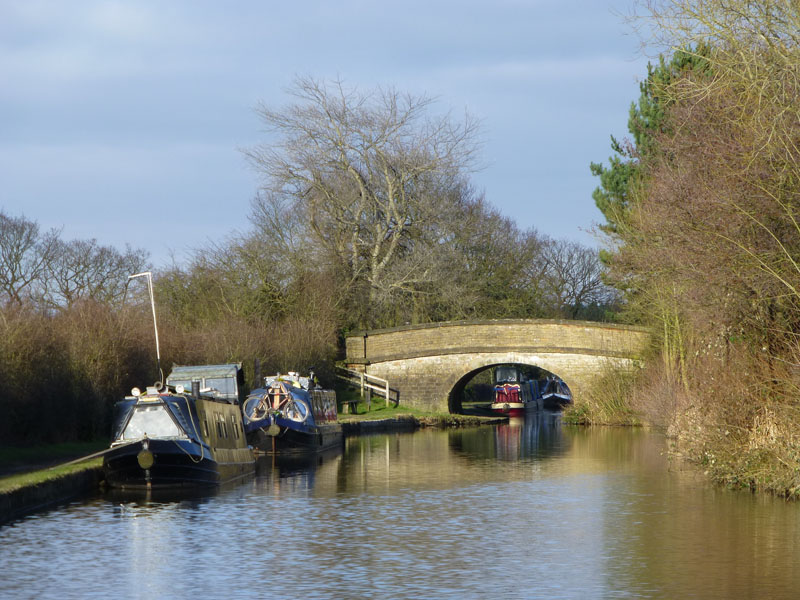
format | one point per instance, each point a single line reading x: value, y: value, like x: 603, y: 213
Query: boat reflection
x: 153, y: 498
x: 536, y: 435
x: 293, y: 472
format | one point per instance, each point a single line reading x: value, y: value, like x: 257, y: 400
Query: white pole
x: 149, y: 276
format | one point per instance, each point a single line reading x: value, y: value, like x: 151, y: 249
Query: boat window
x: 505, y: 374
x: 186, y: 383
x: 223, y: 429
x: 153, y: 421
x: 296, y: 411
x: 224, y: 385
x: 234, y: 428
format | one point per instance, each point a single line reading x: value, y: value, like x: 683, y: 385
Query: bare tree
x: 573, y: 277
x: 367, y: 171
x: 82, y: 269
x: 25, y: 254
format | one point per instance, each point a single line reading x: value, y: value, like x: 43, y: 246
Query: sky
x: 125, y: 121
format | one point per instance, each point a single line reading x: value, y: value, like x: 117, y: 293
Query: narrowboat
x: 185, y: 432
x: 514, y: 392
x: 556, y: 393
x: 289, y: 414
x: 172, y: 436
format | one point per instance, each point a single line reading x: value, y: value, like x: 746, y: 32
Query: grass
x: 607, y: 402
x: 377, y: 409
x: 21, y: 480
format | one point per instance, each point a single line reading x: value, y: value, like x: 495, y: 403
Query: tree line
x: 365, y: 218
x: 701, y: 208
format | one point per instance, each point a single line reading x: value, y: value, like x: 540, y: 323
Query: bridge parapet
x: 454, y: 337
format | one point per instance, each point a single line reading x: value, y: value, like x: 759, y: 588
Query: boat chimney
x: 257, y: 381
x: 195, y: 388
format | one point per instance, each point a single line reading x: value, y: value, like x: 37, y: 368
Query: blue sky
x: 124, y: 121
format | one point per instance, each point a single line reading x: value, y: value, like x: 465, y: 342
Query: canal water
x: 529, y: 509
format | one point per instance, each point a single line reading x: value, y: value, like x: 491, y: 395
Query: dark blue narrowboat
x: 289, y: 414
x: 175, y: 436
x: 556, y: 393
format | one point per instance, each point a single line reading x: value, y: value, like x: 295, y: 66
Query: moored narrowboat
x: 291, y: 413
x: 167, y: 437
x: 188, y: 433
x: 514, y: 392
x: 556, y: 393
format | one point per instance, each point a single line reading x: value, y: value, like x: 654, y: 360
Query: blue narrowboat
x: 291, y: 413
x: 182, y: 433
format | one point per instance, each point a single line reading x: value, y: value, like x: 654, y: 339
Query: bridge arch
x: 426, y: 362
x: 456, y: 394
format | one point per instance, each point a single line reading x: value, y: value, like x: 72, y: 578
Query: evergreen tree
x: 612, y: 197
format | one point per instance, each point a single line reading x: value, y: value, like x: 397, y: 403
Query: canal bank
x: 36, y: 493
x: 38, y: 489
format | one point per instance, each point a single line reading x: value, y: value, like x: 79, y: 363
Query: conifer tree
x: 646, y: 119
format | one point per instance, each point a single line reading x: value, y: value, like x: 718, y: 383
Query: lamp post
x: 149, y: 276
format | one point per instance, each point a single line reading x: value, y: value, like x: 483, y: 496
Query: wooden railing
x: 367, y: 384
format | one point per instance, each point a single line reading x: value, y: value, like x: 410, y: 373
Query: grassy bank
x: 30, y: 466
x: 377, y: 408
x: 608, y: 401
x: 19, y: 481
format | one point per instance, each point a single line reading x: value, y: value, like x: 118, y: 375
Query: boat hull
x: 513, y: 398
x: 289, y: 440
x: 556, y: 400
x: 174, y: 464
x: 515, y: 409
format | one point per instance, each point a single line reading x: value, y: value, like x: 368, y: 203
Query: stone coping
x: 564, y: 322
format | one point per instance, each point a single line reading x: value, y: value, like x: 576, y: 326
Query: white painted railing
x: 368, y: 383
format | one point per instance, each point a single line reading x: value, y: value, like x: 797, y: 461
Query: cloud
x: 539, y: 70
x: 114, y: 192
x: 99, y: 20
x: 131, y: 21
x: 47, y: 47
x: 108, y: 102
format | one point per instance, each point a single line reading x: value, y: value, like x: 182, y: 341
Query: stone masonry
x: 430, y: 364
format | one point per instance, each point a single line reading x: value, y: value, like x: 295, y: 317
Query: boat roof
x: 197, y: 371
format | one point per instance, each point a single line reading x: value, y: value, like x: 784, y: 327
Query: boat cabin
x: 509, y: 374
x: 223, y: 382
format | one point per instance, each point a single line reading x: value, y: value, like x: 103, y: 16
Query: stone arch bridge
x: 429, y: 365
